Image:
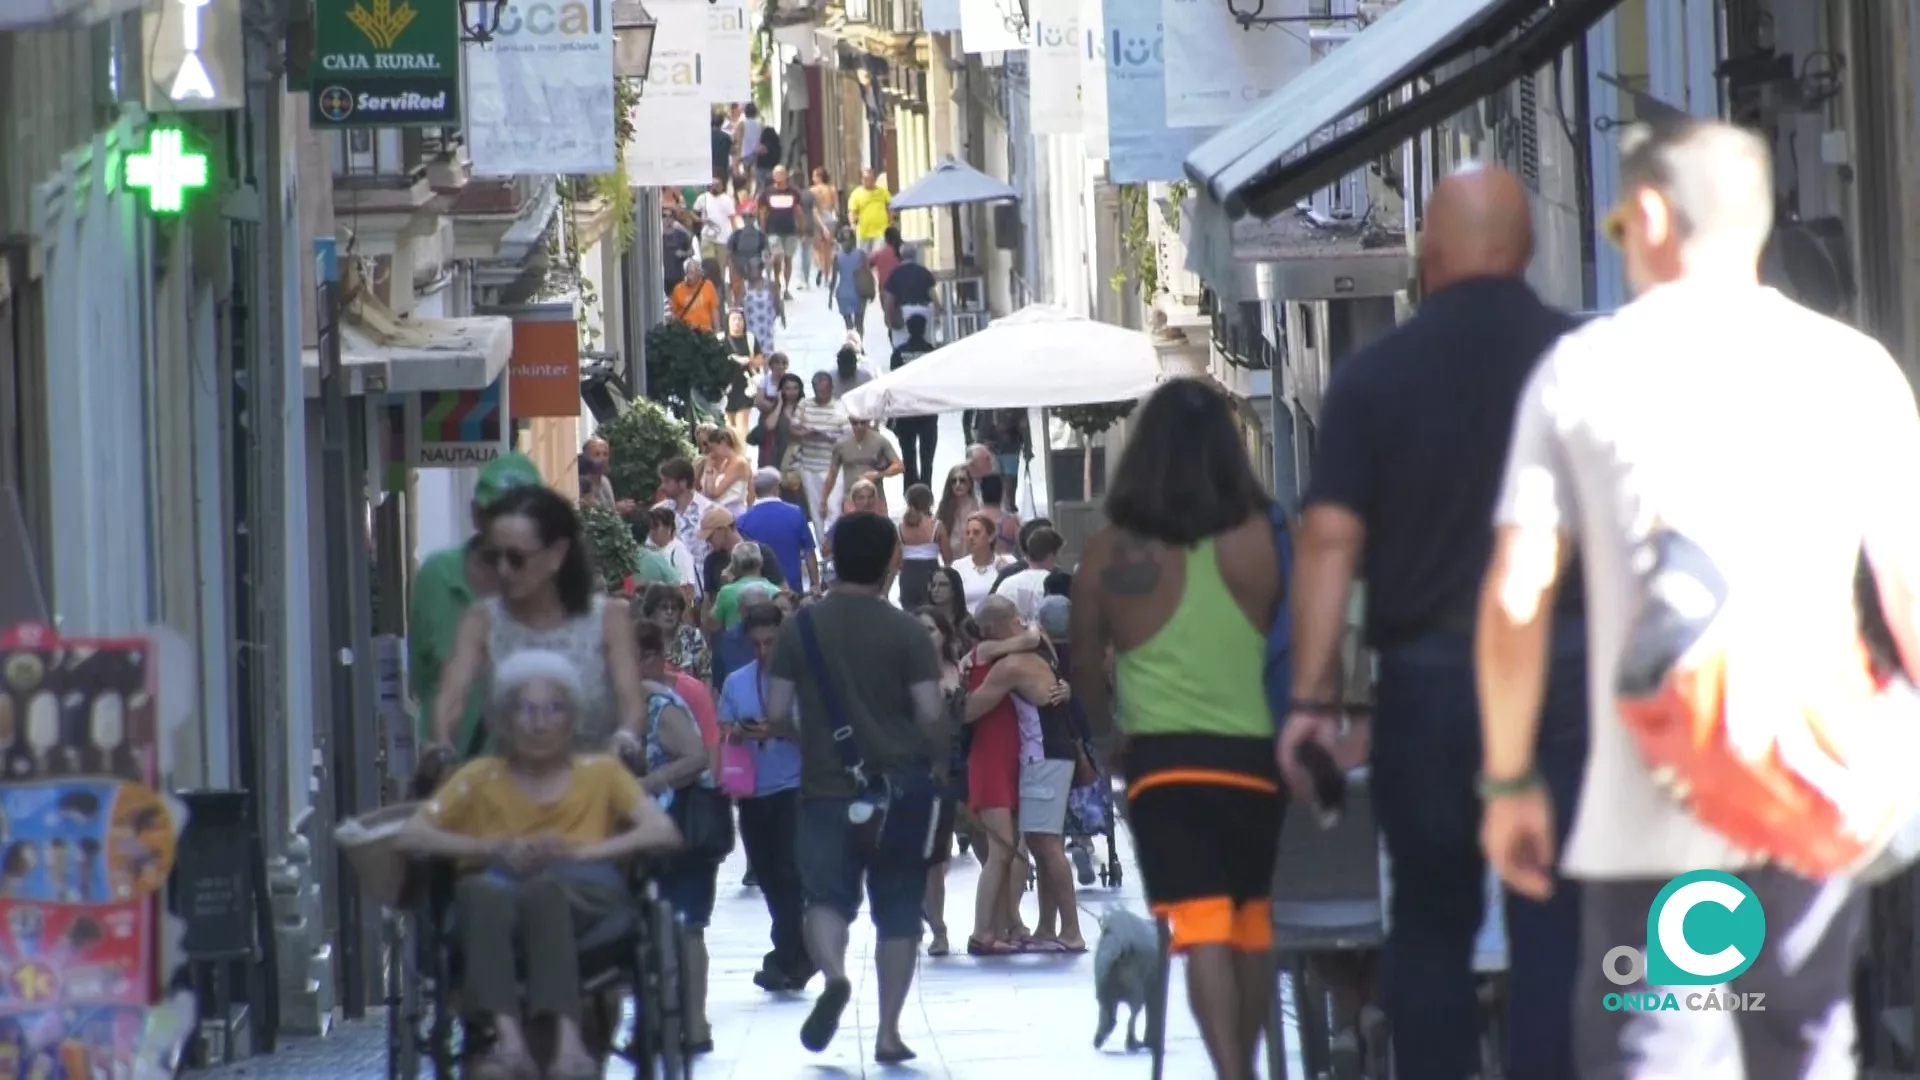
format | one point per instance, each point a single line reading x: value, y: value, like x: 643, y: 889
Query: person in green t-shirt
x: 446, y: 582
x: 743, y: 573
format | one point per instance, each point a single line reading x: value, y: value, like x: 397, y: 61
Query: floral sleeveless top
x: 581, y: 639
x: 657, y: 756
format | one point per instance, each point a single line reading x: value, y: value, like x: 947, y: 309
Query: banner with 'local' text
x: 672, y: 143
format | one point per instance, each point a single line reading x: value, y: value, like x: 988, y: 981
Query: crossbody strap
x: 850, y: 756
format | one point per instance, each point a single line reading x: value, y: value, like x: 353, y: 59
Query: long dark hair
x: 948, y: 511
x: 944, y: 623
x: 1184, y: 475
x: 555, y: 520
x: 956, y: 599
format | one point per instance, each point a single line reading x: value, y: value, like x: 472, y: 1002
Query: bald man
x: 1670, y: 410
x: 1413, y: 436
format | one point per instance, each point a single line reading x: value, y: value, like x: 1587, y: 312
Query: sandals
x: 939, y: 945
x: 976, y: 947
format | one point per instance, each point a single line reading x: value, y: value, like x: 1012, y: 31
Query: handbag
x: 895, y: 814
x: 864, y: 284
x: 738, y: 772
x: 704, y: 816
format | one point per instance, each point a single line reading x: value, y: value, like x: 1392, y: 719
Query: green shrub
x: 616, y: 555
x: 686, y: 367
x: 640, y: 439
x: 1091, y: 420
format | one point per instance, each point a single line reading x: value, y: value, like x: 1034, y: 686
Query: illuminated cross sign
x: 166, y: 171
x: 192, y: 80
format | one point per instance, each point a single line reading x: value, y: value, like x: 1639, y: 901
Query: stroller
x: 1090, y: 814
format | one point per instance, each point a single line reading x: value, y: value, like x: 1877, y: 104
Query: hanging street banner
x: 729, y: 53
x: 672, y: 144
x: 385, y: 63
x: 460, y: 428
x: 545, y: 366
x: 1093, y: 78
x: 540, y: 95
x: 1053, y: 67
x: 940, y: 16
x: 988, y: 26
x: 1215, y: 68
x: 195, y: 56
x: 1141, y: 148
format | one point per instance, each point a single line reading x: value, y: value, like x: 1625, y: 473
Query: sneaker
x: 751, y: 881
x: 1082, y: 863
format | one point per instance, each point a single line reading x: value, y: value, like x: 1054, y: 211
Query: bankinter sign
x: 386, y: 63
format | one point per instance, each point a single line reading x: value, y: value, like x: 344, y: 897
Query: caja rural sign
x: 385, y: 63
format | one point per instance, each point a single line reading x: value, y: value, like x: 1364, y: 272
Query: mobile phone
x: 1329, y: 783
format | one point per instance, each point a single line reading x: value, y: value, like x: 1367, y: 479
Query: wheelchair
x: 634, y: 953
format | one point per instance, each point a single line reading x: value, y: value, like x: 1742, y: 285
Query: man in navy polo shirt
x: 1412, y: 447
x: 782, y: 529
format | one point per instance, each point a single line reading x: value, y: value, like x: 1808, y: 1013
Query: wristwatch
x: 1496, y: 787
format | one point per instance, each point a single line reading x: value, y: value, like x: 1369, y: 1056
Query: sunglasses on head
x: 512, y: 558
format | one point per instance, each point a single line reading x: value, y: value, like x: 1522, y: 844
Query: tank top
x: 928, y: 550
x: 581, y: 639
x: 1200, y: 674
x: 733, y: 496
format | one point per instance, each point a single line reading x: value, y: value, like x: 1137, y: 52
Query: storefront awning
x: 383, y: 353
x: 1261, y: 164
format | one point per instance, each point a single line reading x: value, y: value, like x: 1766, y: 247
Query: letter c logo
x: 1705, y: 928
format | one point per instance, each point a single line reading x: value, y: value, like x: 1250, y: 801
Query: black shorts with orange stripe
x: 1205, y: 812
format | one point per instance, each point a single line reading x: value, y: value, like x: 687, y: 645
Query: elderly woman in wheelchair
x: 541, y: 837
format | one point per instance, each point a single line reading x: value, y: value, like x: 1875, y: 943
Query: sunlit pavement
x: 968, y: 1018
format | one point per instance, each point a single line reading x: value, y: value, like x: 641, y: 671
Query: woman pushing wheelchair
x: 541, y: 836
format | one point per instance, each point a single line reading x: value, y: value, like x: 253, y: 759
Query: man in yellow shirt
x: 869, y: 207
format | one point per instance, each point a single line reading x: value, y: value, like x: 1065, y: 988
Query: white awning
x: 1261, y: 163
x: 408, y: 357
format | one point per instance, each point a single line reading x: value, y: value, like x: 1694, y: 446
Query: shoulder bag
x: 703, y: 814
x: 896, y: 813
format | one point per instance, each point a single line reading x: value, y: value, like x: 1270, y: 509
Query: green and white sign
x: 385, y: 63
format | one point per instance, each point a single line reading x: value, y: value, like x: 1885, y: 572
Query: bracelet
x: 1331, y: 709
x: 1493, y: 787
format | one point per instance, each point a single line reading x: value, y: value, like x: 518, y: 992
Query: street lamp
x: 480, y: 19
x: 633, y: 30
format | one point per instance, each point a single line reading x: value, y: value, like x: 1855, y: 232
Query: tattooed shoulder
x: 1132, y: 566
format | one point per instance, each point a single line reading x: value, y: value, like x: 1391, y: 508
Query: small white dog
x: 1126, y: 971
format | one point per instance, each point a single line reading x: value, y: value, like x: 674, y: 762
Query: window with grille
x: 1526, y: 120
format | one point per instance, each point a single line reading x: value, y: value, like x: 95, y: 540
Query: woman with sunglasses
x: 957, y: 504
x: 532, y: 539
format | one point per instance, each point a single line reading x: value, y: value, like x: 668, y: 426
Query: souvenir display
x: 86, y: 844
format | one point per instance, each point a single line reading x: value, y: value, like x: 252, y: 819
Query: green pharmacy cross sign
x: 166, y: 171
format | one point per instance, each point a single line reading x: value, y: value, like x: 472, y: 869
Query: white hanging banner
x: 1093, y: 78
x: 729, y: 52
x: 992, y: 26
x: 1216, y: 70
x: 1053, y: 67
x: 940, y: 16
x: 540, y: 95
x: 672, y: 144
x: 1141, y: 148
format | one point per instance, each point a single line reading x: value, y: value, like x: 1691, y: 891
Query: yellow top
x: 868, y: 208
x: 481, y: 800
x: 1201, y: 673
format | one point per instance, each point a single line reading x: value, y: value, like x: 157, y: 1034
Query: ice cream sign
x: 196, y: 58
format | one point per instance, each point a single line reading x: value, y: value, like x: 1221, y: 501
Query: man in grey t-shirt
x: 877, y: 676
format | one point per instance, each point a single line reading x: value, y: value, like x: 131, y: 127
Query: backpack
x: 768, y: 154
x: 1813, y: 770
x: 1278, y: 671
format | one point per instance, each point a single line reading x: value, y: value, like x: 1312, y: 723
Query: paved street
x: 969, y: 1019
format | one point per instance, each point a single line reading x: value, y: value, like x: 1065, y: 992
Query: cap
x: 715, y: 519
x: 1053, y: 616
x: 766, y: 478
x: 503, y: 474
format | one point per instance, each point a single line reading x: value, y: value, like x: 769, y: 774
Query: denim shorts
x: 831, y: 869
x: 690, y: 888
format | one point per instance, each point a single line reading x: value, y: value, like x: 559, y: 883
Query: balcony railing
x: 399, y: 153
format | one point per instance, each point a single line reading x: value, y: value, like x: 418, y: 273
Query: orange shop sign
x: 545, y: 368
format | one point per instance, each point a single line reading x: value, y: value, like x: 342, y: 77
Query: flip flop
x: 976, y: 947
x: 938, y: 946
x: 1044, y: 947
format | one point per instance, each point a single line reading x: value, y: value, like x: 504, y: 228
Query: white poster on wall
x: 1217, y: 69
x: 671, y: 143
x: 1053, y: 67
x: 940, y: 16
x: 1093, y: 78
x: 540, y: 95
x: 988, y: 26
x: 729, y: 53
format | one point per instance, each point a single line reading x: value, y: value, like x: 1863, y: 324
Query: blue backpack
x: 1279, y: 666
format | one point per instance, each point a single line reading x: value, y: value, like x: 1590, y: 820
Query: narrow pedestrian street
x: 968, y: 1018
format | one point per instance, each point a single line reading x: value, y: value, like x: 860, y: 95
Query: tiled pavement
x: 969, y: 1019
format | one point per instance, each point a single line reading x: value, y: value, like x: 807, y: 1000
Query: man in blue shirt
x: 781, y: 527
x: 767, y: 820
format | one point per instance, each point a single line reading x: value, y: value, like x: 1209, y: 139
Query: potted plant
x: 1089, y: 421
x: 610, y: 543
x: 689, y: 370
x: 640, y: 439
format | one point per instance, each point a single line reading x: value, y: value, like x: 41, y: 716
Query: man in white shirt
x: 683, y: 497
x: 716, y: 210
x: 1669, y: 415
x: 1026, y: 588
